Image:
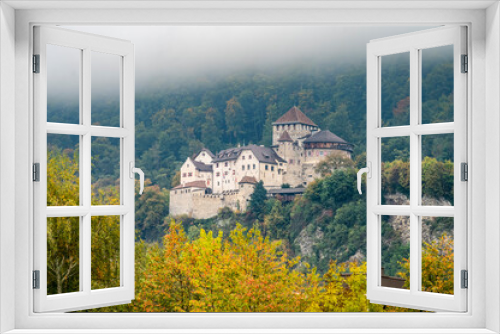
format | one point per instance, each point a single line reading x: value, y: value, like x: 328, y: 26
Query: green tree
x: 258, y: 202
x: 332, y: 162
x: 234, y: 122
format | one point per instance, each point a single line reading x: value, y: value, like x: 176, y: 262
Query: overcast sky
x: 172, y: 52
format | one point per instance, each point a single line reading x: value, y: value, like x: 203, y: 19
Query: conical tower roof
x: 294, y: 116
x: 285, y: 137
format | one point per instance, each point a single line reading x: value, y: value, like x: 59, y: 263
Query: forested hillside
x: 327, y: 223
x: 175, y: 119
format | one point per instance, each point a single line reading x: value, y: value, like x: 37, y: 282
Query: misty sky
x: 178, y: 52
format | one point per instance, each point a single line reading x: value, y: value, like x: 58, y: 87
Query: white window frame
x: 483, y: 21
x: 124, y: 51
x: 412, y: 44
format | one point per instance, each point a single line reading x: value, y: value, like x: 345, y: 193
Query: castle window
x: 190, y: 174
x: 187, y: 165
x: 248, y: 167
x: 291, y: 161
x: 225, y: 164
x: 267, y: 167
x: 308, y: 153
x: 218, y: 174
x: 183, y: 174
x: 243, y: 167
x: 203, y: 154
x: 234, y: 172
x: 226, y: 172
x: 321, y: 153
x: 249, y: 157
x: 243, y: 157
x: 253, y: 166
x: 272, y: 169
x: 217, y: 165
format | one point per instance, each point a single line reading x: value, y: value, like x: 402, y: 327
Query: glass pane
x: 105, y: 171
x: 63, y: 255
x: 105, y: 89
x: 437, y: 84
x: 63, y: 177
x: 395, y: 155
x: 437, y: 254
x: 105, y: 252
x: 395, y: 249
x: 63, y: 84
x: 395, y: 72
x: 437, y: 170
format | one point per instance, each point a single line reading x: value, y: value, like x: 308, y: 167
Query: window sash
x: 412, y: 43
x: 86, y: 297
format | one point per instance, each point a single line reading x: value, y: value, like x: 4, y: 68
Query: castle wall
x: 309, y: 173
x: 314, y: 156
x: 181, y: 201
x: 198, y: 205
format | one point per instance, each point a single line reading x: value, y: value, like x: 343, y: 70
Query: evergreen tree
x: 258, y: 201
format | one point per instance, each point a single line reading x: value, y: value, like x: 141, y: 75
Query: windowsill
x: 253, y: 331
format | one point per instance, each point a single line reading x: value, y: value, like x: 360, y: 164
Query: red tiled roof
x: 193, y: 184
x: 294, y: 115
x: 285, y: 137
x: 248, y: 179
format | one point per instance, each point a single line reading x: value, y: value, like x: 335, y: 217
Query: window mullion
x: 86, y: 177
x: 414, y: 171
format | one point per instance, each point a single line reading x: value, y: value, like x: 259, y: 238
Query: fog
x: 180, y: 52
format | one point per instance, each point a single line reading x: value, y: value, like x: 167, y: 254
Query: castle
x: 210, y: 182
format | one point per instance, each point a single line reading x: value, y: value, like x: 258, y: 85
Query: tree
x: 176, y: 180
x: 63, y: 254
x: 332, y: 162
x: 63, y: 233
x: 234, y: 119
x: 151, y: 209
x: 210, y: 133
x: 437, y: 266
x: 258, y: 201
x: 338, y: 122
x: 245, y: 273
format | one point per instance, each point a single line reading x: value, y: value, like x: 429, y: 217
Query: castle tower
x: 296, y: 123
x: 291, y: 152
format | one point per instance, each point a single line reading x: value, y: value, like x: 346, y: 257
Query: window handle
x: 133, y: 171
x: 368, y: 171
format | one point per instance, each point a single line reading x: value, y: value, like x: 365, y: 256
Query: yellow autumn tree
x: 63, y: 233
x: 244, y: 273
x: 437, y: 266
